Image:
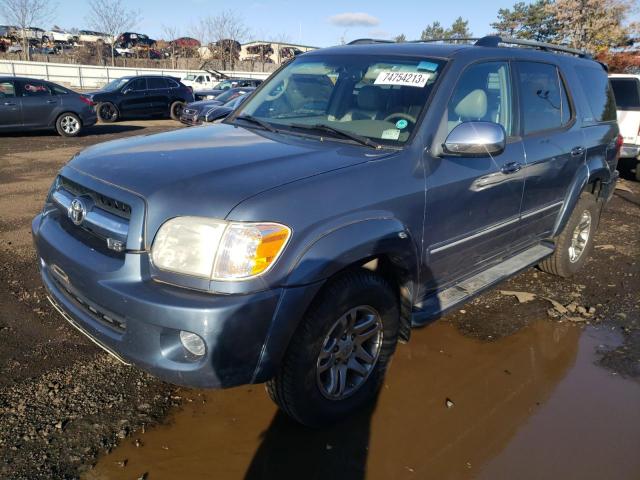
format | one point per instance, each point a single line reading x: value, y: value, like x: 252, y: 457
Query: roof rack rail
x: 495, y: 41
x: 363, y: 41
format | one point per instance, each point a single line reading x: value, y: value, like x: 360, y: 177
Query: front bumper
x: 114, y: 302
x: 191, y: 120
x: 630, y: 151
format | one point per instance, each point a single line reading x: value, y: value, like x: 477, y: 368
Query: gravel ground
x: 63, y: 401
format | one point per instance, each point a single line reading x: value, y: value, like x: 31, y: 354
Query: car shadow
x: 291, y: 451
x: 99, y: 129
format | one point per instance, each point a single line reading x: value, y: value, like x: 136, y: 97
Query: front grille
x: 104, y: 202
x: 110, y: 320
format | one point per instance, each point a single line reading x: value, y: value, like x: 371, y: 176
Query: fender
x: 327, y: 255
x: 595, y: 171
x: 354, y: 242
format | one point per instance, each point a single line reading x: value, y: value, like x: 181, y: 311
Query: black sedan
x: 141, y: 96
x: 28, y: 104
x: 208, y: 111
x: 225, y: 85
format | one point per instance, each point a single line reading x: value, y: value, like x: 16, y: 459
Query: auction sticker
x: 407, y: 79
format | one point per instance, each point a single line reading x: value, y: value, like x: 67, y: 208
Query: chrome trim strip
x: 491, y: 229
x: 531, y: 213
x: 101, y: 222
x: 73, y: 323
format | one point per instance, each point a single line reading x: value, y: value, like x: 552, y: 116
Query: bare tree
x: 112, y: 18
x: 222, y: 33
x: 25, y: 14
x: 171, y: 33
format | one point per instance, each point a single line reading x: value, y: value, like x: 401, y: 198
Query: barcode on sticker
x: 408, y: 79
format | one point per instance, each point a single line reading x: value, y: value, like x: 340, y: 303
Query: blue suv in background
x: 361, y: 191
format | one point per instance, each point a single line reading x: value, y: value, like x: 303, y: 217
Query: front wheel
x: 176, y: 110
x: 68, y: 125
x: 338, y: 356
x: 574, y: 244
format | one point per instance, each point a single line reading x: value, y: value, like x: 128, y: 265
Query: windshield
x: 236, y: 101
x: 229, y: 95
x: 372, y: 97
x: 116, y: 84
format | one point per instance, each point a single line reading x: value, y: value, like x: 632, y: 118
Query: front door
x: 473, y: 204
x: 134, y: 98
x: 158, y: 95
x: 10, y: 113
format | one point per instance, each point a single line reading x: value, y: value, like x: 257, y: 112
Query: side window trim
x: 563, y: 83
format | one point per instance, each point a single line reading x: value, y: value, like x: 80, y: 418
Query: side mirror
x: 475, y: 139
x: 127, y: 91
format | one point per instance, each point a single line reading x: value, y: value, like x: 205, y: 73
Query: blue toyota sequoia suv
x: 362, y: 190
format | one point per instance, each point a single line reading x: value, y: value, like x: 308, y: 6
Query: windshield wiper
x: 321, y: 127
x: 257, y: 121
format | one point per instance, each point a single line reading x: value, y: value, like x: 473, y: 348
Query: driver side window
x: 483, y: 93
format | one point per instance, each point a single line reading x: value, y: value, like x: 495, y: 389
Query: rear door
x: 10, y: 105
x: 627, y: 93
x: 553, y: 143
x: 39, y: 105
x: 158, y: 95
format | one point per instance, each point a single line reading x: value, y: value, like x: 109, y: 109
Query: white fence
x: 91, y: 76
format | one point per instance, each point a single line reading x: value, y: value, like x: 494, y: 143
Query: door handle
x: 52, y: 101
x: 511, y: 167
x: 9, y: 104
x: 577, y: 151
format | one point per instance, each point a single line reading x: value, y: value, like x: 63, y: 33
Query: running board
x: 438, y: 303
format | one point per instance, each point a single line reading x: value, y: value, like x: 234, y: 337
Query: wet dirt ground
x: 539, y: 388
x: 531, y: 405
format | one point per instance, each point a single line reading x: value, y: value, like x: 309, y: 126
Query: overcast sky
x: 317, y: 23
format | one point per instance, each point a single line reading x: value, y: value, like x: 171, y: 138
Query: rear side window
x: 58, y: 90
x: 627, y: 93
x: 544, y: 103
x: 7, y: 90
x: 599, y: 94
x: 35, y: 89
x: 156, y: 83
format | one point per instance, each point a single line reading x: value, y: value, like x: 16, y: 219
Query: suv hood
x: 207, y: 171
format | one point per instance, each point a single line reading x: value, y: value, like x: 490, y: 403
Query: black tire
x: 296, y: 387
x: 563, y: 262
x: 638, y: 170
x: 107, y: 112
x: 68, y: 125
x: 175, y: 110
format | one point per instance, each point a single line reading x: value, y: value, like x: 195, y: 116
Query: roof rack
x: 495, y: 41
x: 364, y: 41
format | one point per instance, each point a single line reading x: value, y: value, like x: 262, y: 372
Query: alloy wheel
x: 349, y: 353
x: 69, y: 124
x: 580, y: 237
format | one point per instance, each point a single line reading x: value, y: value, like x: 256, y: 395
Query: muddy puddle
x: 529, y: 406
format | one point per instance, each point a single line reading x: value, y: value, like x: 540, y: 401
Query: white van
x: 200, y: 81
x: 626, y: 88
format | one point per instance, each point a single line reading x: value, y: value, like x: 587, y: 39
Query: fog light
x: 192, y: 342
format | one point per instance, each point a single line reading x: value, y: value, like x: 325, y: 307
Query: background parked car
x: 28, y: 104
x: 145, y: 95
x: 207, y: 111
x: 57, y: 35
x: 200, y: 81
x: 132, y: 39
x: 90, y: 36
x: 627, y: 92
x: 224, y: 85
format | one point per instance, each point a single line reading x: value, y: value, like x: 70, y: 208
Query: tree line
x: 592, y: 25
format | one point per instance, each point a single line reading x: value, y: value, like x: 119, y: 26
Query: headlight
x: 216, y: 249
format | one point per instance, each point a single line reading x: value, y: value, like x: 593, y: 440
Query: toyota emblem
x: 77, y: 211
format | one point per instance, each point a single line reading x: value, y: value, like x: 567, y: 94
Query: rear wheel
x: 68, y: 125
x: 338, y: 356
x: 107, y: 112
x: 176, y: 110
x: 574, y: 244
